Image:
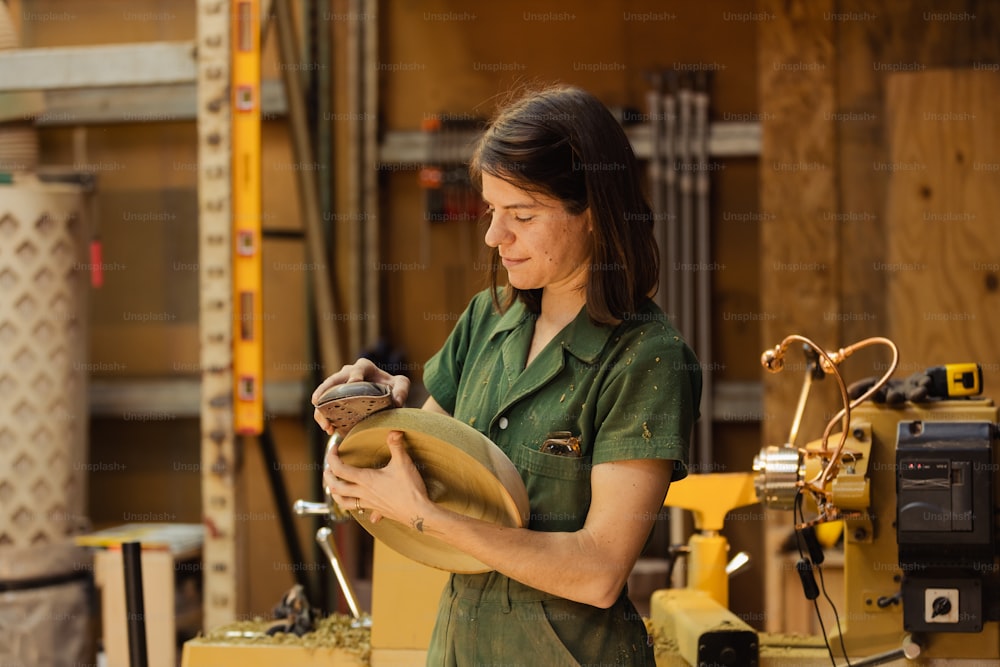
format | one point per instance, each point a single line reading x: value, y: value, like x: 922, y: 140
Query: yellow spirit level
x: 248, y: 350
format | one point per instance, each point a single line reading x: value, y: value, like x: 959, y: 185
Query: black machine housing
x: 945, y: 524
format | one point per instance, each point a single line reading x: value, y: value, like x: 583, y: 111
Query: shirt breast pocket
x: 558, y: 489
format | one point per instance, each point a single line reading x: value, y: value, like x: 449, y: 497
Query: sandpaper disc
x: 463, y: 470
x: 347, y: 404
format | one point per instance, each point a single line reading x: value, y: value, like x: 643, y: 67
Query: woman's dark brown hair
x: 564, y: 143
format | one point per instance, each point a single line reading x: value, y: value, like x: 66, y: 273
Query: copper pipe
x: 773, y: 361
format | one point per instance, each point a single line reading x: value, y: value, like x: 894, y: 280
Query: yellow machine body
x: 871, y: 556
x: 710, y: 497
x: 696, y: 619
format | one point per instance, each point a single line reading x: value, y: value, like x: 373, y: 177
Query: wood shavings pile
x: 333, y: 631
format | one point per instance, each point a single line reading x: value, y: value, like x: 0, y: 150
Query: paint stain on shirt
x: 646, y: 435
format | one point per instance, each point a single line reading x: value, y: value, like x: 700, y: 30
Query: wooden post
x: 218, y: 446
x: 799, y: 251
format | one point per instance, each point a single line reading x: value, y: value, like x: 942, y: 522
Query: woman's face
x: 541, y: 244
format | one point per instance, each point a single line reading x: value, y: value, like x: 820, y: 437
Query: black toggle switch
x: 940, y: 607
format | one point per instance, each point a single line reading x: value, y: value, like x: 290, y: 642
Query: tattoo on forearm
x: 417, y: 523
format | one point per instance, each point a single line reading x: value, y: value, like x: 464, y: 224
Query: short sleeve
x: 443, y: 371
x: 650, y: 403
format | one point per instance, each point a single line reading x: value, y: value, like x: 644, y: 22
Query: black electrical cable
x: 808, y: 534
x: 836, y: 616
x: 803, y: 560
x: 797, y: 510
x: 283, y: 505
x: 822, y: 628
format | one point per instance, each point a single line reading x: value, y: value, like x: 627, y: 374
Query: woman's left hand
x: 395, y: 491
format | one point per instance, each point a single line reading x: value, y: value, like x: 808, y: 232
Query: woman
x: 571, y: 351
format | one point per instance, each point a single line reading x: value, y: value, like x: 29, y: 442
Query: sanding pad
x: 347, y: 404
x: 463, y: 470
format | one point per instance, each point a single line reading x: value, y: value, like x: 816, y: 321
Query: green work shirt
x: 629, y: 391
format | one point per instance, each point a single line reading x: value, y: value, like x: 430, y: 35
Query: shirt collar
x: 581, y: 337
x: 584, y: 339
x: 510, y: 320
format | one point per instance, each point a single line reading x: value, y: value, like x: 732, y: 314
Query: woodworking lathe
x: 907, y: 467
x: 911, y: 473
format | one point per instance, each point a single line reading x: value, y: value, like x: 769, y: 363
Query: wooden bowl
x: 463, y: 470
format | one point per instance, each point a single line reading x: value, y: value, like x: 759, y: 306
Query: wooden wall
x: 864, y: 144
x: 943, y: 203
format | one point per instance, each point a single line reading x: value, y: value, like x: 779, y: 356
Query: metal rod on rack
x: 686, y: 184
x: 355, y: 287
x: 372, y: 322
x: 703, y: 264
x: 678, y: 522
x: 654, y: 172
x: 279, y: 492
x: 328, y: 338
x: 670, y: 186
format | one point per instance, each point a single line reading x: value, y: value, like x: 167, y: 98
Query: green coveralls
x: 627, y: 392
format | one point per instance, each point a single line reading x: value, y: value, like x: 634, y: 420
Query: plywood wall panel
x: 942, y: 217
x: 874, y: 40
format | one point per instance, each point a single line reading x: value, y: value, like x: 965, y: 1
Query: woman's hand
x: 363, y: 370
x: 395, y: 491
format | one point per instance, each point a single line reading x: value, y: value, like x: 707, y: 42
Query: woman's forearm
x: 569, y: 565
x: 590, y: 565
